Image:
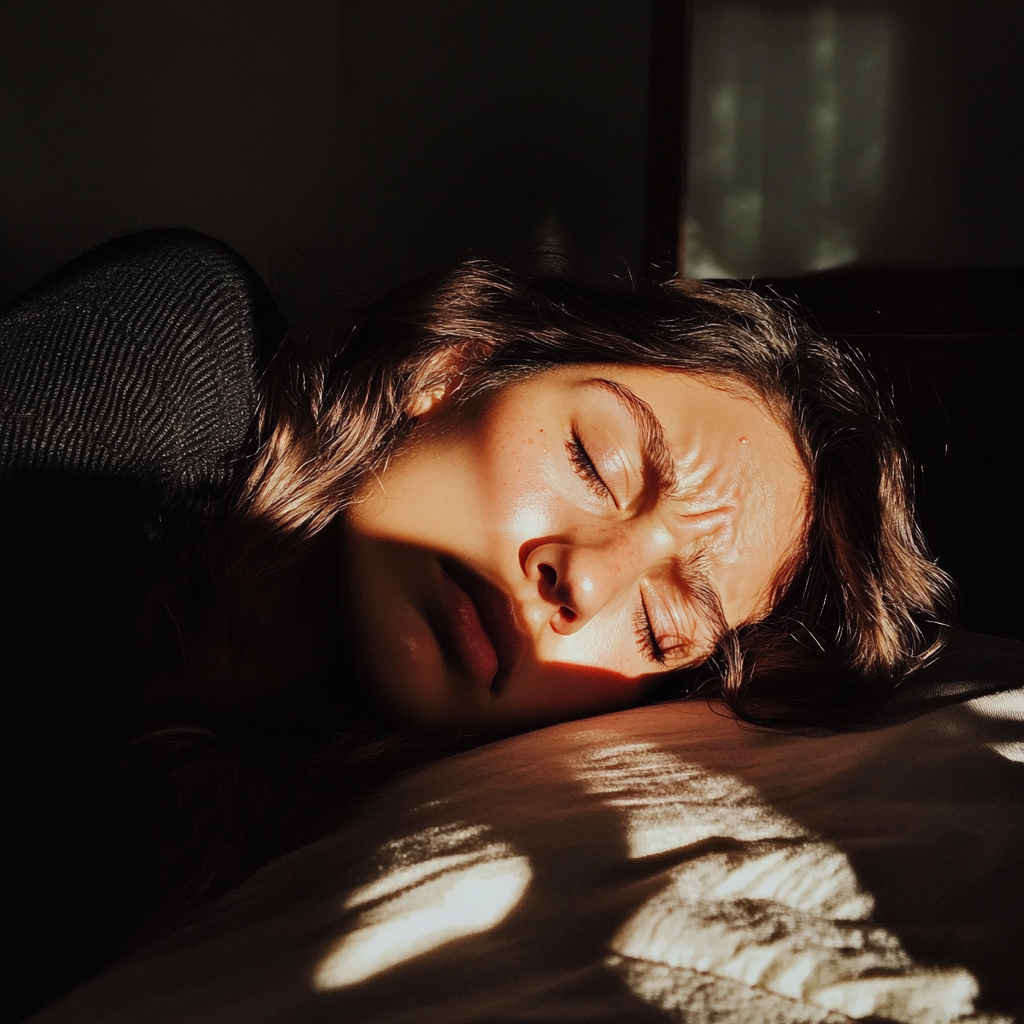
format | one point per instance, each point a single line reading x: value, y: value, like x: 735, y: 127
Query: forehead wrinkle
x: 656, y: 451
x: 705, y: 485
x: 679, y: 481
x: 710, y: 490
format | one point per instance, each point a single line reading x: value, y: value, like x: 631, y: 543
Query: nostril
x: 549, y: 590
x: 548, y: 578
x: 553, y: 589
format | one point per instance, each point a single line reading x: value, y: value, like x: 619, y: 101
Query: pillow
x: 665, y: 863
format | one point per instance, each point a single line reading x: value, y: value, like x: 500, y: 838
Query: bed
x: 665, y: 863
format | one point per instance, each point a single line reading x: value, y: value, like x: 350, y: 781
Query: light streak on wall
x: 788, y: 137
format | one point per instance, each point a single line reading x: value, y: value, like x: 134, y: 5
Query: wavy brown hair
x: 859, y: 606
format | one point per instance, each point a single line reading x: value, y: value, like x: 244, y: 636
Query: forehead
x: 692, y: 409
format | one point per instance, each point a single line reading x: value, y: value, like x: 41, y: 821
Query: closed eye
x: 583, y: 465
x: 646, y: 638
x: 673, y: 649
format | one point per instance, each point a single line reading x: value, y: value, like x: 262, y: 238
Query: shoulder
x: 138, y: 358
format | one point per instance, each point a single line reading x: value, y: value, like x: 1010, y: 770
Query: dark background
x: 345, y: 145
x: 340, y: 146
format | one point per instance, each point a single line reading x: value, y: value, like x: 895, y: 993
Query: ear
x: 425, y: 404
x: 435, y: 380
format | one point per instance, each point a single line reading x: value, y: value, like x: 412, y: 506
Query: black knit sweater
x: 127, y: 390
x: 137, y: 361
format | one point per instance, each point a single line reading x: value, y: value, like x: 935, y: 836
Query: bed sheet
x: 663, y: 864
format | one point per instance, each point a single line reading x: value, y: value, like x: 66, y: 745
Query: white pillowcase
x: 665, y: 863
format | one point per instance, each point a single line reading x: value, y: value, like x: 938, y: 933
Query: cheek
x: 393, y: 639
x: 520, y: 484
x: 606, y: 643
x: 562, y: 689
x: 405, y: 663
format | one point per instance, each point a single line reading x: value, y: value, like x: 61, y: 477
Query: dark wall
x: 340, y: 145
x: 119, y: 115
x: 491, y: 128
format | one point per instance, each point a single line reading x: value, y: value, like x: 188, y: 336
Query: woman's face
x: 551, y: 550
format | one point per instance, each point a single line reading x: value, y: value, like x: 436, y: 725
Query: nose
x: 579, y: 579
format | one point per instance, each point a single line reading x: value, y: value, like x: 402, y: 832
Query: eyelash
x: 645, y: 636
x: 583, y: 465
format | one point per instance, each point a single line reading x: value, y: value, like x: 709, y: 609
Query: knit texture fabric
x: 139, y: 360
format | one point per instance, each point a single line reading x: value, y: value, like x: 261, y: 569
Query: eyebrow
x: 706, y: 597
x: 654, y: 448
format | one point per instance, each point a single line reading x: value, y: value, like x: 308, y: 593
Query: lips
x: 482, y: 625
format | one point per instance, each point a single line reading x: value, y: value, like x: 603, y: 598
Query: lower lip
x: 473, y: 643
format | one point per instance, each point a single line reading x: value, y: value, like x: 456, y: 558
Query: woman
x: 254, y: 581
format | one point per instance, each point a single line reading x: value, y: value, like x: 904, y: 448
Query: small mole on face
x: 743, y: 440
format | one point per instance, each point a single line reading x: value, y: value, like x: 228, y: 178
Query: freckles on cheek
x: 521, y: 487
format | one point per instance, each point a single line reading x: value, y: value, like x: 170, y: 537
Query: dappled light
x: 761, y: 911
x: 415, y: 907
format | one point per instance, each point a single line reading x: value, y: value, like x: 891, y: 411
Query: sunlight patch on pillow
x: 433, y: 887
x: 759, y: 913
x: 1011, y: 751
x: 671, y: 803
